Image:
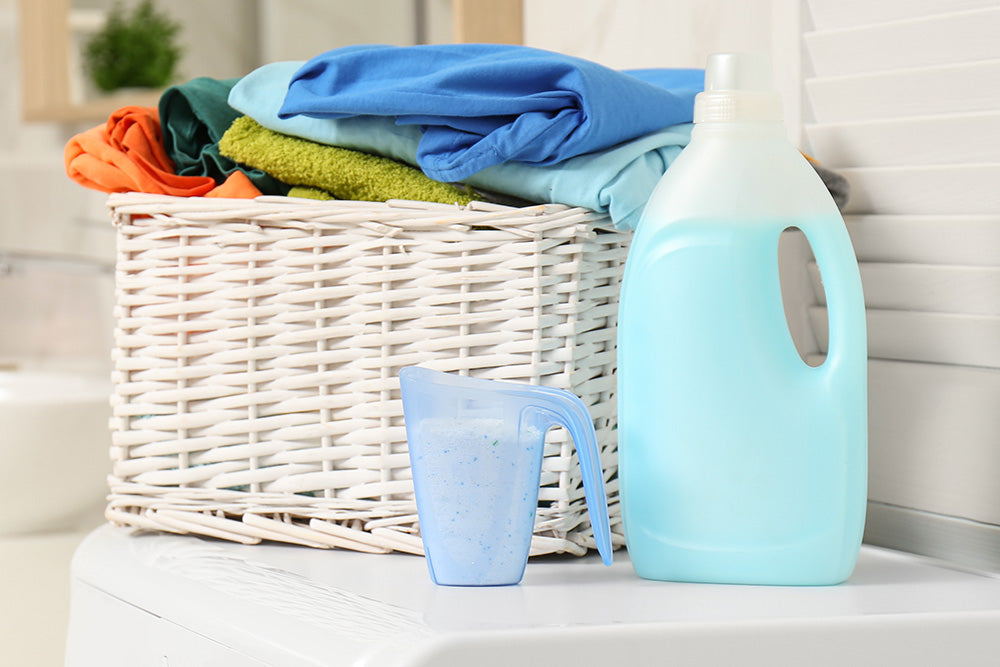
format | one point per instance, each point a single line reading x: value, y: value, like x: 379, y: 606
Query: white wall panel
x: 918, y: 42
x: 833, y: 14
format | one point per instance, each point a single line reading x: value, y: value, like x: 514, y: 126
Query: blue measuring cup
x: 476, y: 454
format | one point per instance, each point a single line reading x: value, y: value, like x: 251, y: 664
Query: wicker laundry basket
x: 258, y: 343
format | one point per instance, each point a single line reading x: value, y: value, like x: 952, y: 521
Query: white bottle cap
x: 737, y: 87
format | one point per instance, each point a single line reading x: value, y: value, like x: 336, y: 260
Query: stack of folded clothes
x: 127, y: 154
x: 443, y: 123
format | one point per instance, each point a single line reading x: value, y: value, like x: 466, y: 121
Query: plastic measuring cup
x: 476, y: 456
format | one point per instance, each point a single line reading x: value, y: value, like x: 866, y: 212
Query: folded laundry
x: 617, y: 180
x: 193, y: 117
x: 344, y: 173
x: 306, y: 192
x: 236, y: 186
x: 484, y: 104
x: 260, y: 94
x: 126, y: 154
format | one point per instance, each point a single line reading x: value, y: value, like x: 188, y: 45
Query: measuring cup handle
x: 569, y: 411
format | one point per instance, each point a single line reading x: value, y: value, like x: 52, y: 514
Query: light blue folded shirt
x: 617, y: 181
x: 485, y: 104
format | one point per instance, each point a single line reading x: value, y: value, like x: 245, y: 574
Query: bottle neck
x: 713, y: 106
x: 764, y: 129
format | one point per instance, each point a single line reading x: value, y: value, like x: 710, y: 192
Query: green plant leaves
x: 135, y: 49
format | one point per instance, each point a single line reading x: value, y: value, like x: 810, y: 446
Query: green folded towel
x: 344, y: 173
x: 305, y: 192
x: 193, y: 117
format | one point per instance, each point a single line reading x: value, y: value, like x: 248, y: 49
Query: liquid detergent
x: 738, y: 461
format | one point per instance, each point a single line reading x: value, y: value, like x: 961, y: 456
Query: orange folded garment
x: 126, y: 155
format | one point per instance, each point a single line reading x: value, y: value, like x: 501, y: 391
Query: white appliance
x: 165, y: 600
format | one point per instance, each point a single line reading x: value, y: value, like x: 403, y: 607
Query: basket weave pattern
x: 258, y: 343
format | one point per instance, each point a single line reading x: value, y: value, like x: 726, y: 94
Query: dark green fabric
x: 193, y: 118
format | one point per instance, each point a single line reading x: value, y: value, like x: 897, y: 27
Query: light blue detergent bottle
x: 739, y: 462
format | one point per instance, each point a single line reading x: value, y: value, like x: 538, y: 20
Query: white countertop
x: 284, y: 605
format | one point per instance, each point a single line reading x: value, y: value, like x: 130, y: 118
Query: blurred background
x: 915, y: 128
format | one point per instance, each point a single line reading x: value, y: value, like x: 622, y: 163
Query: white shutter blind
x: 903, y: 98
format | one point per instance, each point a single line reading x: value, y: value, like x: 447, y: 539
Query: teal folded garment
x: 617, y: 181
x: 193, y: 118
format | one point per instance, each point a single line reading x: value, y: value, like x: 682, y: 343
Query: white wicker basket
x: 258, y: 344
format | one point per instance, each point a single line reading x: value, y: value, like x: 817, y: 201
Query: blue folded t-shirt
x: 481, y: 105
x: 617, y: 180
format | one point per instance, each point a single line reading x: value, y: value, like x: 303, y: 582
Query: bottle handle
x: 841, y: 281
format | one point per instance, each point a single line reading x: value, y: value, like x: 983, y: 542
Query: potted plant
x: 135, y: 49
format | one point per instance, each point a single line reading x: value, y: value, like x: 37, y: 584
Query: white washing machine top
x: 158, y: 599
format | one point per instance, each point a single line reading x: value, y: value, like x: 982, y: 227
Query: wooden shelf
x: 46, y: 37
x: 95, y: 110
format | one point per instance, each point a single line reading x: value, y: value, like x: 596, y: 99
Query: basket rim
x: 279, y: 210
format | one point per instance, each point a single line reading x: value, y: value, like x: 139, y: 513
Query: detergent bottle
x: 738, y: 461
